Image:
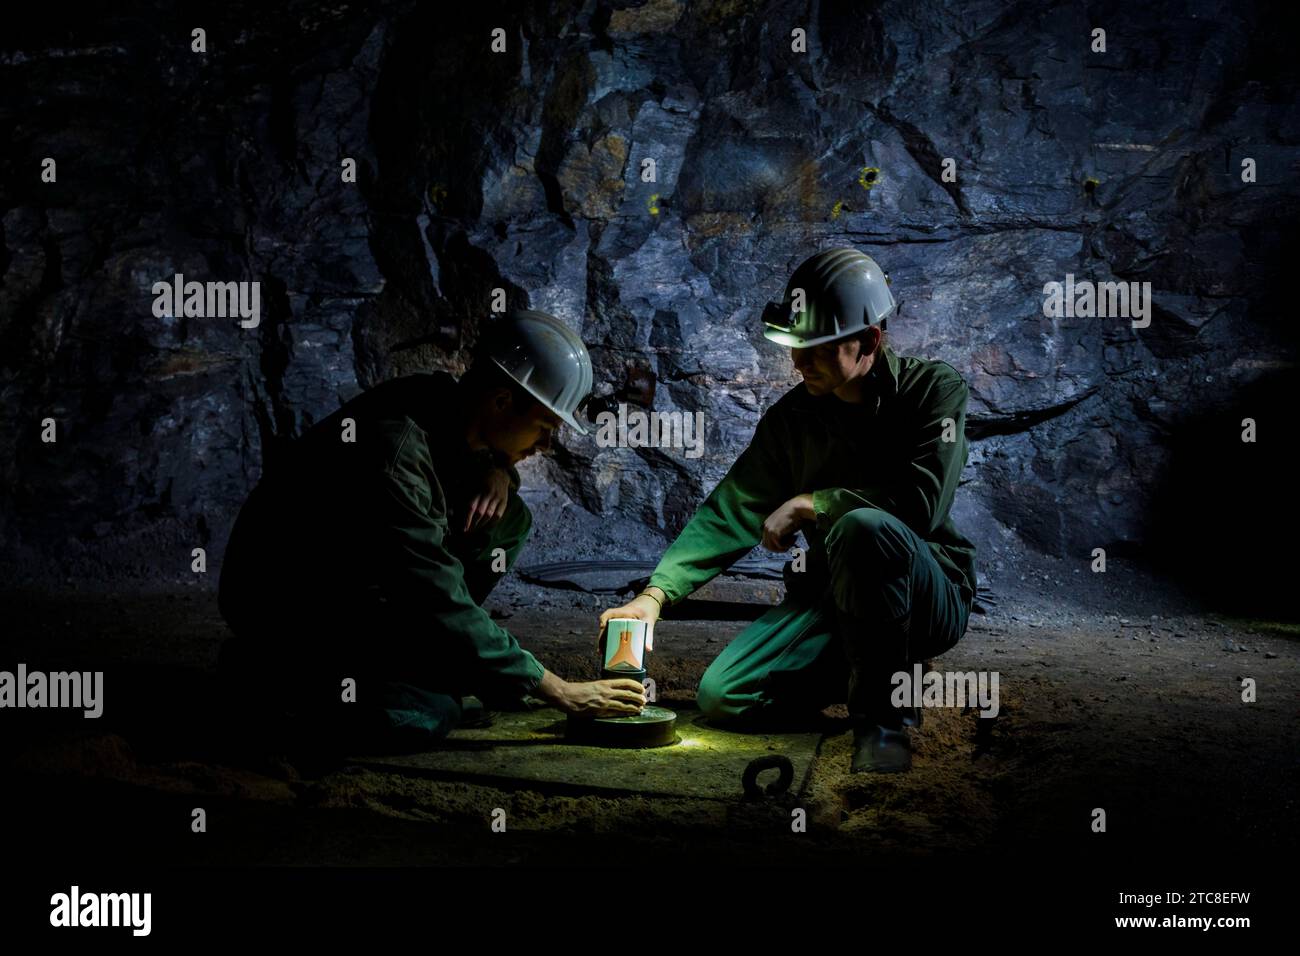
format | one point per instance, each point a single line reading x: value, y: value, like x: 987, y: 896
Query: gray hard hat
x: 842, y: 291
x: 546, y: 358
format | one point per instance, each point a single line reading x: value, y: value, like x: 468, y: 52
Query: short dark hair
x: 861, y: 339
x: 486, y: 376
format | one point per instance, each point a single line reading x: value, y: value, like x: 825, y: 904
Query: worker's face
x: 519, y: 432
x: 828, y: 367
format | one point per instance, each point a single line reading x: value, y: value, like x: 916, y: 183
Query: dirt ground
x: 1124, y: 700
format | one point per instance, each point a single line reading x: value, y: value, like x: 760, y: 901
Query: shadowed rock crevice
x: 522, y: 170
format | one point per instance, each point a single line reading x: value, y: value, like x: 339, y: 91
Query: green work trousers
x: 879, y: 602
x: 289, y: 673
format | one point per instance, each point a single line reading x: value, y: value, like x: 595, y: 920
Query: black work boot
x: 474, y: 714
x: 880, y: 743
x: 878, y: 749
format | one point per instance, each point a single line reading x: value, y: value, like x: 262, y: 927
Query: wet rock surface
x: 523, y: 171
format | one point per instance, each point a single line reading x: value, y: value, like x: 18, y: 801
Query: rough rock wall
x: 523, y: 170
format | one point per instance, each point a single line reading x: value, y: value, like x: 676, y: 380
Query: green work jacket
x: 888, y: 452
x: 369, y: 531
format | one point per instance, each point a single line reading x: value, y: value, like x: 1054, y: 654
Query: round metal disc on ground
x: 653, y: 727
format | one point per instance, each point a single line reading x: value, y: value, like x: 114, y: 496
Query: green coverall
x: 348, y: 561
x: 888, y: 577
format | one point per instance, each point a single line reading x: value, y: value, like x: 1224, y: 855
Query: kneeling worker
x: 864, y: 457
x: 357, y: 569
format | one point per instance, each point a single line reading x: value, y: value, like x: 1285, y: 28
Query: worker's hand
x: 780, y: 527
x: 602, y: 698
x: 487, y: 503
x: 640, y: 608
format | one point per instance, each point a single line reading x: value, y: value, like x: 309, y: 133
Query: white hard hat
x: 545, y: 357
x: 844, y: 291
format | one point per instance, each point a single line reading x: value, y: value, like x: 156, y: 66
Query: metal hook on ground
x: 777, y: 762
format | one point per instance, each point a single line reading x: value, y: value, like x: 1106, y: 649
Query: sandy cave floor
x: 1129, y: 703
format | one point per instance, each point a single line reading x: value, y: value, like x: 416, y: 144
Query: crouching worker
x: 864, y: 457
x: 357, y: 569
